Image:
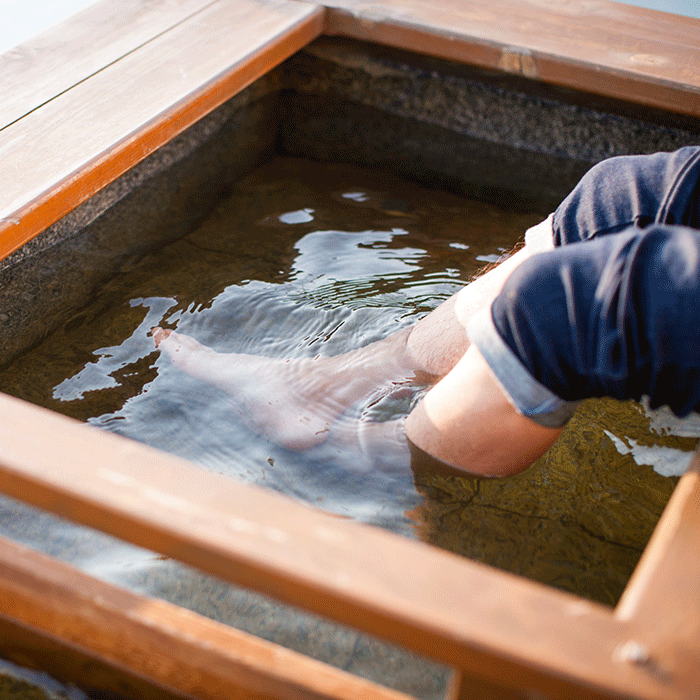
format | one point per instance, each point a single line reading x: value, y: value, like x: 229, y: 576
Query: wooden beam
x: 662, y: 600
x: 66, y: 55
x: 462, y: 687
x: 493, y: 626
x: 151, y: 646
x: 60, y: 155
x: 85, y: 123
x: 602, y: 47
x: 38, y: 650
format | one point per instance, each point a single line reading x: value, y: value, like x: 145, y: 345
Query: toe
x: 159, y: 335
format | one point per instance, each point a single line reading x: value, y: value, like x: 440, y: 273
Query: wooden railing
x: 133, y: 77
x: 490, y: 626
x: 107, y: 117
x: 504, y: 636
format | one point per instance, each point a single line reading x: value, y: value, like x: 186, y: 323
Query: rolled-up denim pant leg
x: 631, y: 191
x: 614, y: 316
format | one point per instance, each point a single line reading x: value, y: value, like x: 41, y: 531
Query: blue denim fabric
x: 607, y: 315
x: 524, y: 392
x: 615, y: 316
x: 631, y: 191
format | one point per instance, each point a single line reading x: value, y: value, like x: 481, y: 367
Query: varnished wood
x: 38, y: 650
x: 57, y: 157
x: 106, y: 628
x: 84, y: 137
x: 463, y: 687
x: 60, y: 58
x: 494, y: 626
x: 606, y: 48
x: 662, y: 599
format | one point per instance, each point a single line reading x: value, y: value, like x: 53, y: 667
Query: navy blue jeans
x: 614, y: 308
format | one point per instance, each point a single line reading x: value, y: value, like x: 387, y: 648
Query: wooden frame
x: 504, y: 636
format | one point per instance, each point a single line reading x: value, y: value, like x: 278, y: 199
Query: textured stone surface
x: 160, y: 200
x: 516, y: 142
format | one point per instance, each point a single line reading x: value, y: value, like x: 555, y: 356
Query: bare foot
x: 294, y: 403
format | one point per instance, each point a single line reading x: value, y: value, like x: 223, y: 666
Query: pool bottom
x: 308, y: 259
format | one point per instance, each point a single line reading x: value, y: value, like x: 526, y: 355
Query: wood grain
x: 83, y: 137
x: 57, y: 157
x: 118, y: 638
x: 662, y: 599
x: 39, y: 650
x: 606, y: 48
x: 60, y: 58
x: 494, y: 626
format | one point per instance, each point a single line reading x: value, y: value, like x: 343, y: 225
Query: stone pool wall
x: 492, y: 136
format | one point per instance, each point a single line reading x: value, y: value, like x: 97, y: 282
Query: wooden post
x: 662, y: 600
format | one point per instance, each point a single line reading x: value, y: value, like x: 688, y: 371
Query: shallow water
x: 302, y: 260
x: 307, y: 259
x: 18, y: 683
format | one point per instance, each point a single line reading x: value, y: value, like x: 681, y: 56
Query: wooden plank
x: 58, y: 156
x: 602, y: 47
x: 462, y: 687
x: 662, y: 599
x: 142, y: 638
x: 36, y: 649
x: 494, y: 626
x: 65, y: 55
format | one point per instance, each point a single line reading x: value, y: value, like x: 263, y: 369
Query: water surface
x: 307, y: 259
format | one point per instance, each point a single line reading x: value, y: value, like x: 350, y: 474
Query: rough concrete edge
x: 165, y: 157
x: 557, y: 126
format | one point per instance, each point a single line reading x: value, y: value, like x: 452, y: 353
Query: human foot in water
x: 295, y: 402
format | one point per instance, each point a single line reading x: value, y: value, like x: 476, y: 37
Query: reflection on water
x: 304, y: 260
x: 301, y: 261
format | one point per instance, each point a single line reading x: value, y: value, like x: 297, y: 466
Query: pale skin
x: 464, y: 420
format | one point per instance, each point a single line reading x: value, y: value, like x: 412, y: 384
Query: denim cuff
x: 523, y: 391
x: 540, y: 238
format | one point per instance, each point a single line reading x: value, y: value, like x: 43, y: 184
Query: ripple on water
x: 305, y: 260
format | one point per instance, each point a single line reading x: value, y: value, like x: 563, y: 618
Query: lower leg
x: 467, y: 422
x: 438, y: 341
x: 292, y: 402
x: 295, y: 402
